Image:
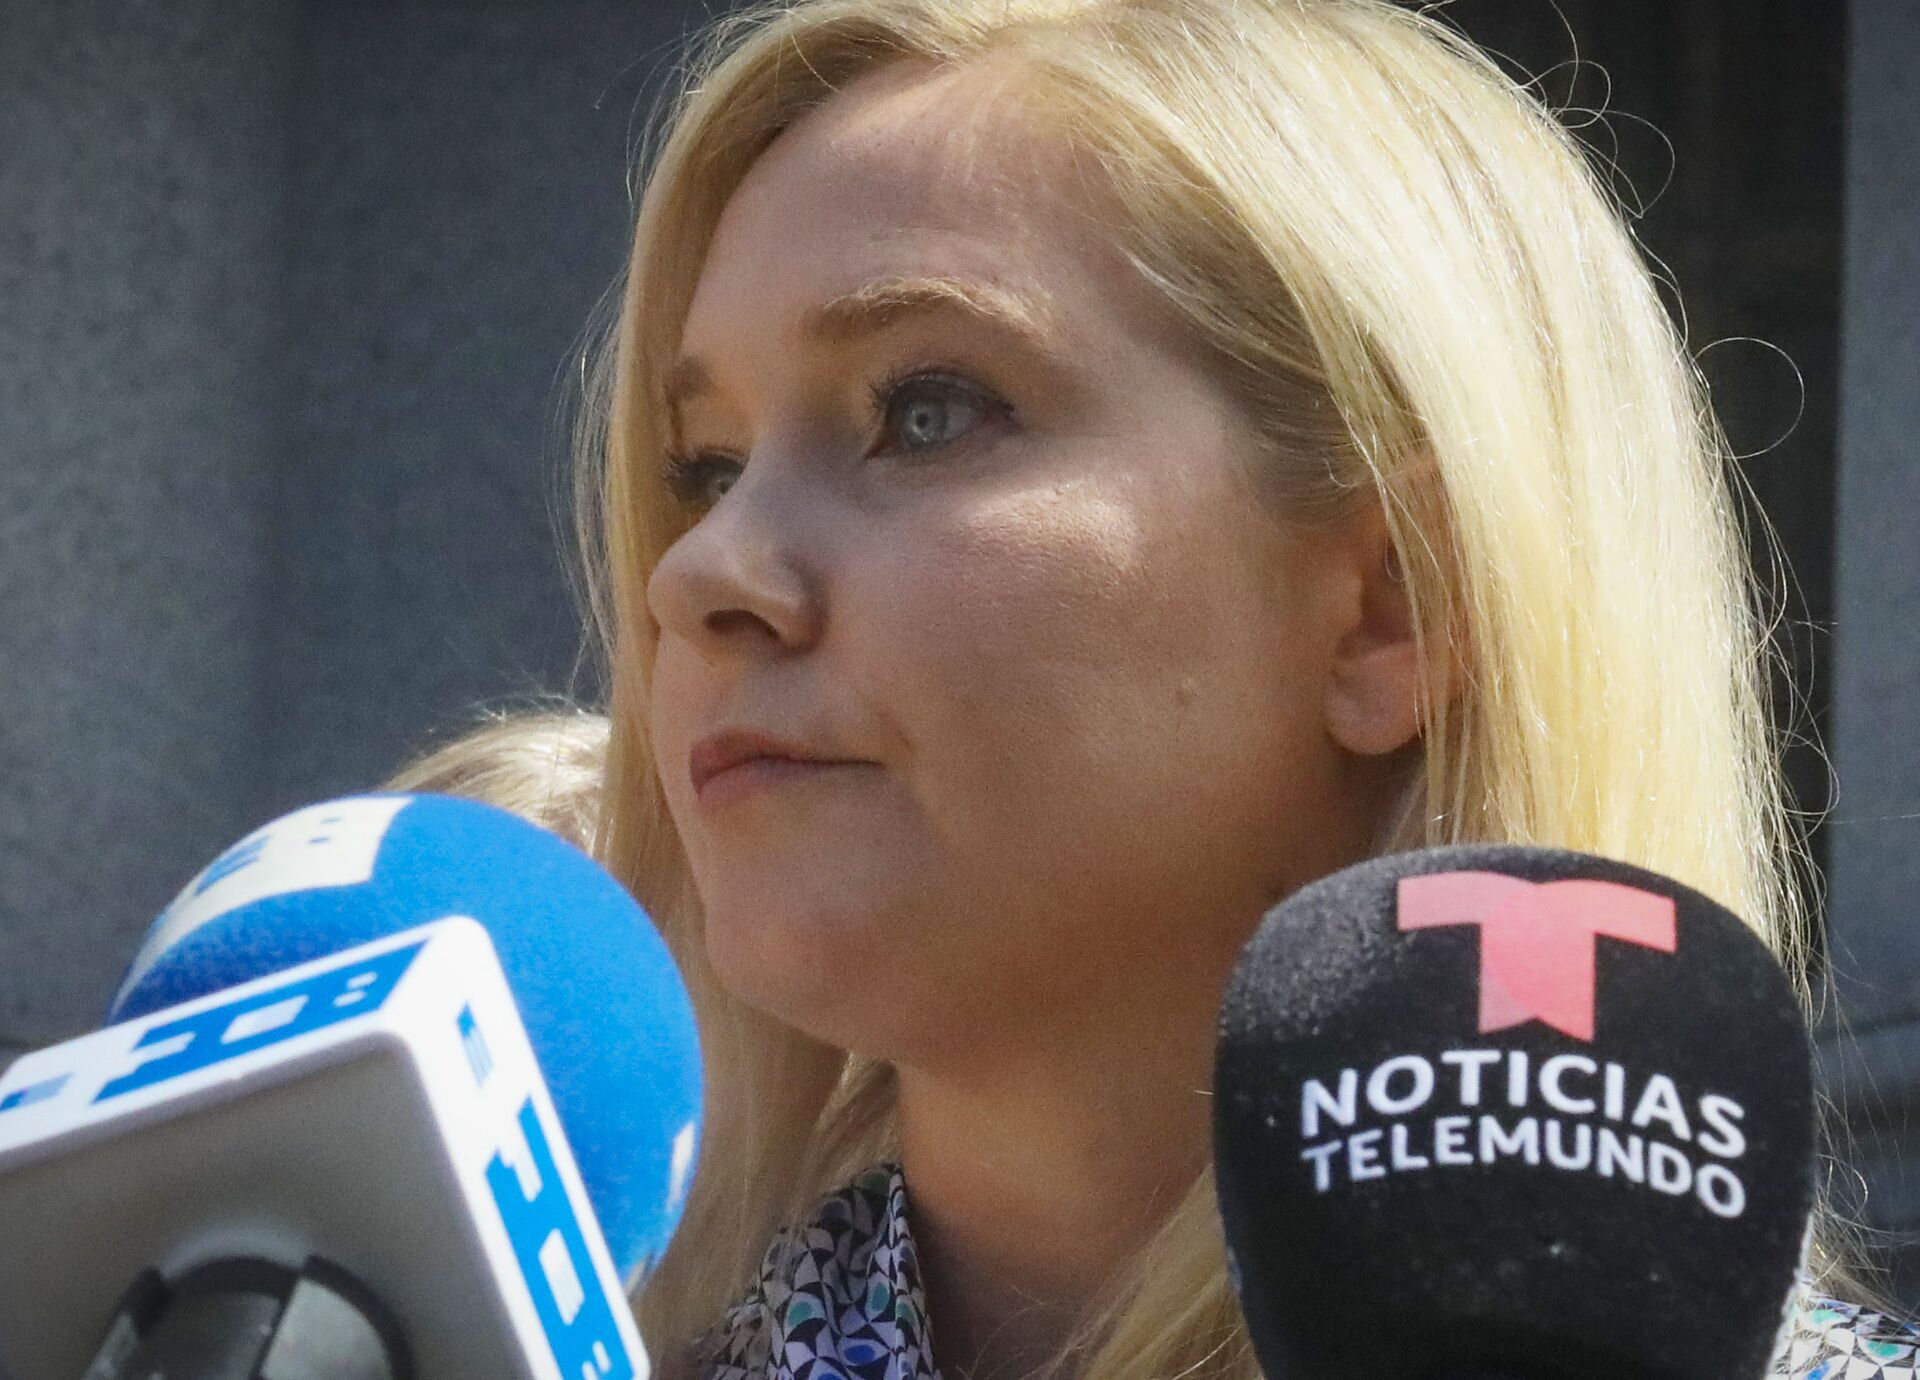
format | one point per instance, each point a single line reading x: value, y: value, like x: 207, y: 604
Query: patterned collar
x: 841, y: 1299
x: 1832, y: 1340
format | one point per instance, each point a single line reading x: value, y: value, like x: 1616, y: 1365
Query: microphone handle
x: 244, y: 1318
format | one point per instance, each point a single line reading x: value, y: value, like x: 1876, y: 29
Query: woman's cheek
x: 1023, y: 602
x: 670, y: 728
x: 1078, y: 660
x: 1007, y: 645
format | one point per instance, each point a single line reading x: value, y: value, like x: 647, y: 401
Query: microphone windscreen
x: 598, y: 992
x: 1503, y: 1109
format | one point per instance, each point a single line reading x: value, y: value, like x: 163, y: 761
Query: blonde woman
x: 1069, y: 472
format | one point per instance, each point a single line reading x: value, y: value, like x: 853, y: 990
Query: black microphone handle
x: 248, y: 1319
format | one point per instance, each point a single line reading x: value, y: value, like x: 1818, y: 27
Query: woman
x: 1070, y: 472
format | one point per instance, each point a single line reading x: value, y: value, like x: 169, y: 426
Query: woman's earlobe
x: 1373, y: 700
x: 1373, y: 682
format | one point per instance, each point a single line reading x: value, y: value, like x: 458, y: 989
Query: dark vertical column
x: 461, y: 207
x: 1877, y: 826
x: 141, y: 172
x: 1874, y: 930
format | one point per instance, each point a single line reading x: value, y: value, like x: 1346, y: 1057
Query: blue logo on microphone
x: 34, y: 1092
x: 243, y: 854
x: 266, y: 1018
x: 552, y: 1253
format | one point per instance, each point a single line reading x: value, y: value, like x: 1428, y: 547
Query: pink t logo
x: 1537, y: 938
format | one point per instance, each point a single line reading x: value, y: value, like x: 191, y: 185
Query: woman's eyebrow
x: 880, y: 303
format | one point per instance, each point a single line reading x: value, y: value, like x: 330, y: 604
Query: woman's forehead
x: 907, y: 190
x: 906, y: 149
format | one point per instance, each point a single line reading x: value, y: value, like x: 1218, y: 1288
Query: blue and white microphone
x: 399, y: 1085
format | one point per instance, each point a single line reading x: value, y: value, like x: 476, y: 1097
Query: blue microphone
x: 407, y: 1051
x: 601, y: 997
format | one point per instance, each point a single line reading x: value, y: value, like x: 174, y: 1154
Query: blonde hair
x: 1426, y: 298
x: 547, y: 767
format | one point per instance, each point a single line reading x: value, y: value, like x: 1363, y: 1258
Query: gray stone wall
x: 142, y: 408
x: 287, y: 295
x: 458, y: 179
x: 1873, y: 1054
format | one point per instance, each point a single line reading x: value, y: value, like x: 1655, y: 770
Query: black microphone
x: 1512, y: 1113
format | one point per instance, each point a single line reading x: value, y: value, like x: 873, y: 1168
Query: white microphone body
x: 380, y: 1107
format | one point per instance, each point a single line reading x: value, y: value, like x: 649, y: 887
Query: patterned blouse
x: 841, y: 1299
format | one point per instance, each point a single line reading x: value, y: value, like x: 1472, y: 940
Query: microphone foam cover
x: 1517, y: 1110
x: 599, y: 994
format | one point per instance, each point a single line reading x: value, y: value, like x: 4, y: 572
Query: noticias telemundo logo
x: 1483, y: 1106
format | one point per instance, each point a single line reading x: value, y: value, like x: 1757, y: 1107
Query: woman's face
x: 974, y: 532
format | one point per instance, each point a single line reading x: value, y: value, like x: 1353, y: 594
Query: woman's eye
x: 926, y: 411
x: 697, y: 482
x: 918, y: 413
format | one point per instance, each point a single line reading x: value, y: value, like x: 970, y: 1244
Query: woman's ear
x: 1373, y: 680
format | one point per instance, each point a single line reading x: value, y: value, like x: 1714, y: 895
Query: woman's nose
x: 737, y: 581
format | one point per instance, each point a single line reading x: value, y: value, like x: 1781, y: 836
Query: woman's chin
x: 795, y: 963
x: 867, y: 981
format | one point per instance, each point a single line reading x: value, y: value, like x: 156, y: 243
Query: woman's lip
x: 759, y: 773
x: 733, y: 762
x: 731, y: 747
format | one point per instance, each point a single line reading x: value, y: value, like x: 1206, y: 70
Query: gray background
x: 288, y: 297
x: 1874, y: 1064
